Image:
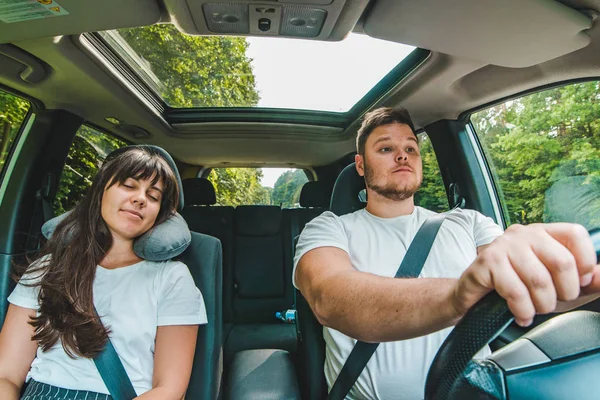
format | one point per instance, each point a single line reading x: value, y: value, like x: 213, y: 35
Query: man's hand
x: 533, y: 267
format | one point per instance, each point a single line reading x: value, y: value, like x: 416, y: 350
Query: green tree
x: 195, y: 71
x: 238, y: 186
x: 12, y: 113
x: 432, y: 193
x: 534, y: 142
x: 286, y: 191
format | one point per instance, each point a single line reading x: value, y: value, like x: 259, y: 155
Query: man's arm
x: 369, y: 307
x: 533, y: 267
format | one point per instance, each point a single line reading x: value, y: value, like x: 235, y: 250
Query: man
x: 344, y: 267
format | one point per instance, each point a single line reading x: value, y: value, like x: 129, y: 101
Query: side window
x: 13, y: 111
x: 432, y: 194
x: 544, y: 153
x: 258, y: 186
x: 88, y: 150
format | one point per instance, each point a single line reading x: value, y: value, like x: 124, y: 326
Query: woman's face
x: 130, y: 209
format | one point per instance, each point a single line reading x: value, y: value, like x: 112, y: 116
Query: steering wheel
x: 454, y: 375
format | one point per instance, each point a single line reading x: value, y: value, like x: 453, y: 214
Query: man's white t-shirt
x: 377, y: 245
x: 132, y: 301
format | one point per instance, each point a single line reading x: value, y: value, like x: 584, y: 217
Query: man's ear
x: 360, y: 164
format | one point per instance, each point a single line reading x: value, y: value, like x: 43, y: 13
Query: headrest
x: 345, y: 197
x: 162, y: 153
x: 162, y: 242
x: 314, y: 194
x: 257, y: 220
x: 199, y: 192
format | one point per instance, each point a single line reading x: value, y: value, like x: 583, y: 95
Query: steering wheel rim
x: 480, y: 325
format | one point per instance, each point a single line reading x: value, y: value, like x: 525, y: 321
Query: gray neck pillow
x: 163, y: 242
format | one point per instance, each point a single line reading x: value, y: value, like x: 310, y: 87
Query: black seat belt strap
x: 411, y: 267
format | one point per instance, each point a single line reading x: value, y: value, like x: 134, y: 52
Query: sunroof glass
x: 225, y: 71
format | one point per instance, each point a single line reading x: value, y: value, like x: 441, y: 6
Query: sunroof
x: 225, y: 71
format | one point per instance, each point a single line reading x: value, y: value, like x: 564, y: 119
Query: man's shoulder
x: 328, y: 217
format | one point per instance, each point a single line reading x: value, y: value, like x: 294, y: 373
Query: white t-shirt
x: 377, y: 245
x: 132, y: 301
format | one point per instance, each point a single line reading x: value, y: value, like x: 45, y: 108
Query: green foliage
x: 286, y: 191
x: 12, y: 113
x: 432, y: 194
x: 237, y: 186
x: 88, y: 150
x: 539, y: 143
x: 196, y: 71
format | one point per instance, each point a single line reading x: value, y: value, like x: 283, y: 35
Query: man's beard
x: 389, y: 191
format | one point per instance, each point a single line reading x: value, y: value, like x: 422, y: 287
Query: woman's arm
x: 173, y: 358
x: 17, y: 351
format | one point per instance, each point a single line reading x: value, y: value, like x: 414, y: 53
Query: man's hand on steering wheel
x: 533, y: 267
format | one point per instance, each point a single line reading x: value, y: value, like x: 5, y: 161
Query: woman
x: 151, y: 310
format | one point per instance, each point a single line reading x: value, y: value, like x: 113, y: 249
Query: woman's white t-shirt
x: 132, y: 302
x: 377, y: 245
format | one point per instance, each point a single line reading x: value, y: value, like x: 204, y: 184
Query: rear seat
x: 314, y: 200
x: 257, y: 262
x: 262, y: 281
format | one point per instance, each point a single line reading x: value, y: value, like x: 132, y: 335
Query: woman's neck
x: 120, y: 255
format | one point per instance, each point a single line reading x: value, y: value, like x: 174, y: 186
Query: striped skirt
x: 41, y: 391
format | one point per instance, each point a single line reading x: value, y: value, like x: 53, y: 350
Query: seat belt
x: 113, y: 373
x: 411, y: 267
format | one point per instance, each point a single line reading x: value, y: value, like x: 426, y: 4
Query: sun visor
x: 508, y: 33
x: 28, y: 19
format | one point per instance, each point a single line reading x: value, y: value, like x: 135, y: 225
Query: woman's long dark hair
x: 66, y: 266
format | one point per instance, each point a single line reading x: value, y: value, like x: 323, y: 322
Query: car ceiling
x: 481, y: 51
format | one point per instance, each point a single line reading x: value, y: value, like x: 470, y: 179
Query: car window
x: 89, y: 148
x: 544, y: 153
x: 258, y: 186
x: 432, y: 194
x: 13, y: 111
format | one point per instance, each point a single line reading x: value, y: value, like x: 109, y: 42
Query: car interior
x: 78, y: 63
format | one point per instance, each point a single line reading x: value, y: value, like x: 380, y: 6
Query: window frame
x: 19, y: 139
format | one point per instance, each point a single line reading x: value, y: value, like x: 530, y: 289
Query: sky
x: 330, y: 76
x: 270, y: 175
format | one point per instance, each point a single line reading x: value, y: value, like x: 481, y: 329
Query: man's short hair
x: 379, y: 117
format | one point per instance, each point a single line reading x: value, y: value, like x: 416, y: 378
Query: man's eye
x: 410, y: 150
x: 385, y: 149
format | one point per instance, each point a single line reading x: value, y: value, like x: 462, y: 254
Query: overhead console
x: 308, y: 19
x: 508, y: 33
